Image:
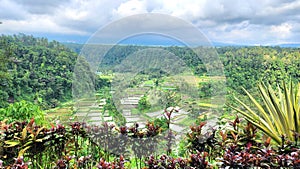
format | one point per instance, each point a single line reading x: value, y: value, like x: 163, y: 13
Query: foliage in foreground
x: 23, y: 110
x: 26, y: 145
x: 74, y: 146
x: 280, y: 113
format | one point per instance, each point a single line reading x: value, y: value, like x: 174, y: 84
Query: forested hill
x: 35, y: 69
x: 40, y: 71
x: 243, y: 66
x: 246, y: 66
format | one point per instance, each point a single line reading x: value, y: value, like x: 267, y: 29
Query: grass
x: 187, y: 121
x: 168, y: 88
x: 208, y: 105
x: 62, y: 114
x: 135, y: 111
x: 67, y: 104
x: 134, y: 92
x: 109, y: 77
x: 149, y: 83
x: 152, y: 109
x: 195, y: 80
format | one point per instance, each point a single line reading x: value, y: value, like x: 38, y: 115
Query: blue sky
x: 255, y: 22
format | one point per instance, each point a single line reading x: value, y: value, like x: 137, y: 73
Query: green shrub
x: 144, y: 104
x: 23, y: 110
x: 279, y: 115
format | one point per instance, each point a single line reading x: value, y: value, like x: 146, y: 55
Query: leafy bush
x: 237, y: 145
x: 279, y: 115
x: 242, y: 148
x: 22, y: 110
x: 198, y: 160
x: 212, y: 88
x: 144, y: 104
x: 77, y: 145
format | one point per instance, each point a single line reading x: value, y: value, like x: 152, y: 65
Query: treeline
x: 117, y: 54
x: 36, y: 70
x: 245, y: 66
x: 40, y: 71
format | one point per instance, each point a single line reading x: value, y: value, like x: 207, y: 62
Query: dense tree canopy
x: 37, y: 69
x: 246, y: 66
x: 40, y: 71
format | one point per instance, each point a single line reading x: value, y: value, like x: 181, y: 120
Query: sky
x: 244, y: 22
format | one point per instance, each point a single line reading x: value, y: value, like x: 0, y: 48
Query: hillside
x: 40, y: 71
x: 36, y: 70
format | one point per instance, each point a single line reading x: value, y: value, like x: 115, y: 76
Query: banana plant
x: 278, y: 115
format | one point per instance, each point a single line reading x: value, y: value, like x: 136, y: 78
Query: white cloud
x: 36, y: 24
x: 282, y: 31
x: 11, y: 10
x: 257, y: 21
x: 284, y: 28
x: 130, y: 7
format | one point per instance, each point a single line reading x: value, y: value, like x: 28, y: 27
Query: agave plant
x: 279, y: 115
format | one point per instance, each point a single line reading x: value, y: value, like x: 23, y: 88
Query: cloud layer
x: 231, y: 21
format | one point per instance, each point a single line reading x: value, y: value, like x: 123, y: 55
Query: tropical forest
x: 71, y: 105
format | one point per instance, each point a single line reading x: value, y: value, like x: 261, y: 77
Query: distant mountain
x: 283, y: 45
x: 76, y: 47
x: 222, y: 44
x: 290, y: 45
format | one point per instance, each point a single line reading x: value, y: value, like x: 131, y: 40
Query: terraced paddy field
x: 127, y: 99
x: 62, y: 115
